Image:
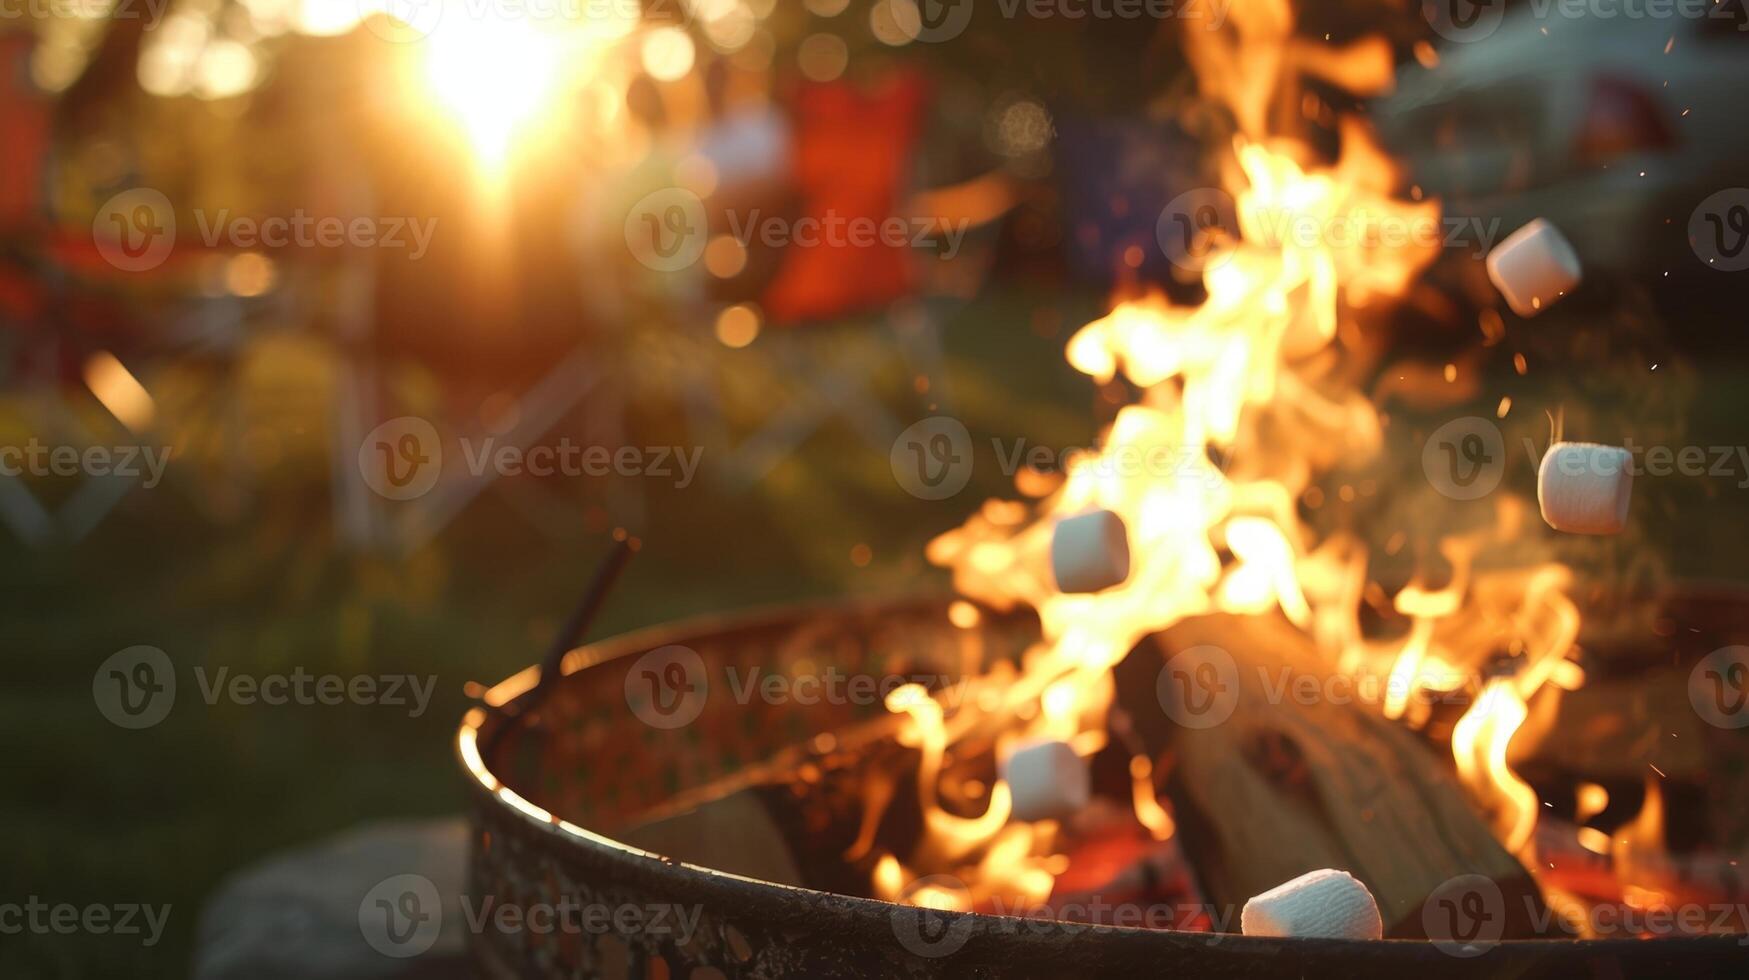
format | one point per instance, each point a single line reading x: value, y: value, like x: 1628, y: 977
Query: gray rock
x: 381, y: 902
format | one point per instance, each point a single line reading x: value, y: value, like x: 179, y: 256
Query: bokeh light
x: 823, y: 57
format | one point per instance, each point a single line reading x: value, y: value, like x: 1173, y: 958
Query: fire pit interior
x: 813, y: 800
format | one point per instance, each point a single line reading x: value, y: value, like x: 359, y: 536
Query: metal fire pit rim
x: 783, y: 904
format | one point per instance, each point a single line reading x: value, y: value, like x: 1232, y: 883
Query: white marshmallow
x: 1584, y: 487
x: 1534, y: 267
x: 1326, y: 904
x: 1047, y: 780
x: 1090, y: 552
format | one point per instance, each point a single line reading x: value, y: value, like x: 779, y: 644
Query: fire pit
x: 558, y: 783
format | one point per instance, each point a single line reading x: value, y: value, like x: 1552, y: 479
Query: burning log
x: 1618, y: 731
x: 1286, y: 785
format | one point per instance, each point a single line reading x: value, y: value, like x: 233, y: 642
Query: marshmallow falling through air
x: 1090, y: 552
x: 1324, y: 904
x: 1584, y: 487
x: 1533, y: 267
x: 1048, y: 780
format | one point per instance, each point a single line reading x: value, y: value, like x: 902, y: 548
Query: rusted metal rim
x: 830, y: 935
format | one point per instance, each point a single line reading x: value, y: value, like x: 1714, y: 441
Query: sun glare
x: 494, y: 77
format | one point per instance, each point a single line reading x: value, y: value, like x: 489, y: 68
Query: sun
x: 494, y: 77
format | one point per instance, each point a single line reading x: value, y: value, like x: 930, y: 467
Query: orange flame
x: 1249, y: 377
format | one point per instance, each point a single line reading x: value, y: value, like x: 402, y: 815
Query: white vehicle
x: 1610, y: 125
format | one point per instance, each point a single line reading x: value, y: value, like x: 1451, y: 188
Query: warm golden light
x: 895, y: 22
x: 227, y: 68
x: 668, y: 53
x: 325, y: 18
x: 738, y: 325
x: 249, y: 274
x: 493, y: 76
x: 119, y: 391
x: 1146, y: 804
x: 502, y: 76
x: 725, y: 257
x: 823, y: 57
